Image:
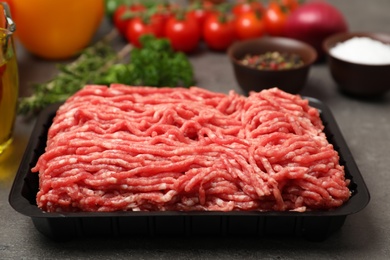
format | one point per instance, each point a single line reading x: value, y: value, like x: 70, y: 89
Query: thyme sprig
x: 87, y: 68
x: 155, y: 64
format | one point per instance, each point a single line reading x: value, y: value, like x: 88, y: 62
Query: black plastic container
x: 316, y: 225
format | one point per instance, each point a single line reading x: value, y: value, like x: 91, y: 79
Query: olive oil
x: 9, y: 90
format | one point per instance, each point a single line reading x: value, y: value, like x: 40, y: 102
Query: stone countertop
x: 365, y: 125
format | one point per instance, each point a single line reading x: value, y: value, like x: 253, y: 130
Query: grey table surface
x: 366, y: 128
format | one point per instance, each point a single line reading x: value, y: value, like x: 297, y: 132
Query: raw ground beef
x: 123, y: 148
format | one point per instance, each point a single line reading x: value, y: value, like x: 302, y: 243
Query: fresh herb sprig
x: 155, y: 64
x: 71, y: 78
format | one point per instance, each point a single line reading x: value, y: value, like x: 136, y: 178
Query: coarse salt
x: 362, y: 50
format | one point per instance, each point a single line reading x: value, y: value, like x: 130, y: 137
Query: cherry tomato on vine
x: 275, y: 18
x: 183, y: 33
x: 291, y: 4
x: 119, y: 22
x: 219, y: 32
x: 199, y: 14
x: 208, y: 5
x: 245, y: 6
x: 249, y: 25
x: 138, y: 27
x: 165, y: 11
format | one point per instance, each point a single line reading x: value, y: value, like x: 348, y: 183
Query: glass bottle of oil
x: 9, y: 85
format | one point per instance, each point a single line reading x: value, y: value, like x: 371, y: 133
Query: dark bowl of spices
x: 269, y: 62
x: 359, y: 62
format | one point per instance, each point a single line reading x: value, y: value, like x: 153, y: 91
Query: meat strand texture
x: 124, y: 148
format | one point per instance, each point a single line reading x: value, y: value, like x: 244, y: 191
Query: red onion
x: 313, y: 22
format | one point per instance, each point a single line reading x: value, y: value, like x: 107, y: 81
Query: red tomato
x: 249, y: 25
x: 184, y: 34
x: 137, y: 8
x: 137, y: 27
x: 219, y: 32
x: 121, y: 23
x: 165, y: 12
x: 245, y: 6
x: 199, y: 12
x: 275, y: 18
x: 208, y: 5
x: 291, y: 5
x: 199, y: 15
x: 158, y: 20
